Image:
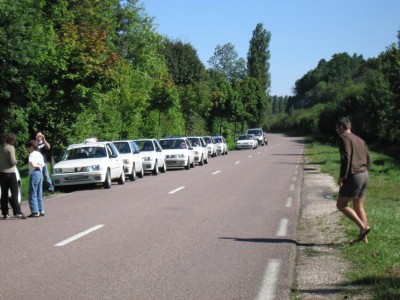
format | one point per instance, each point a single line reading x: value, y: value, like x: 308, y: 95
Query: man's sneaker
x: 20, y: 216
x: 6, y: 217
x: 34, y: 215
x: 42, y: 214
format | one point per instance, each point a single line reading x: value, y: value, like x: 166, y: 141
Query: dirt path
x: 321, y: 267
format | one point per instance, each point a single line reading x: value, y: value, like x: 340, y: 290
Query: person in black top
x: 44, y: 147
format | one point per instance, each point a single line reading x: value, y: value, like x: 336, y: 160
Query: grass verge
x: 376, y: 264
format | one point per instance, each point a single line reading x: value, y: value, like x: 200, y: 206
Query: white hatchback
x: 178, y: 152
x: 220, y: 144
x: 152, y: 155
x: 130, y: 154
x: 89, y: 163
x: 200, y: 149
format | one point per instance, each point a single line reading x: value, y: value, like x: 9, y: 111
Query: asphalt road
x: 226, y: 230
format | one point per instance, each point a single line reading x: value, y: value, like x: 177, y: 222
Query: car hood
x: 81, y: 162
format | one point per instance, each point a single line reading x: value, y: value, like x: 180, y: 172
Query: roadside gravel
x: 321, y: 267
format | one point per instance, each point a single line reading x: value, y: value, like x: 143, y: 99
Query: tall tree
x: 259, y: 55
x: 226, y: 60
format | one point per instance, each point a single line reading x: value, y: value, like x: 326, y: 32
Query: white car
x: 130, y: 154
x: 19, y: 186
x: 220, y: 144
x: 89, y: 163
x: 178, y: 152
x: 152, y: 155
x: 246, y: 141
x: 200, y: 149
x: 212, y: 149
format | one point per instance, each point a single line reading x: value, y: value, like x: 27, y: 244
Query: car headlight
x: 91, y: 168
x: 126, y: 161
x: 57, y: 171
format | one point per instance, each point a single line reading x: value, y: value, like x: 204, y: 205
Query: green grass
x: 376, y: 264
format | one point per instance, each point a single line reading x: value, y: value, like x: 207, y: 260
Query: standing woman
x: 8, y: 176
x: 36, y: 163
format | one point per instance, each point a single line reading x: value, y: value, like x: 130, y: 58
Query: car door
x: 159, y: 153
x: 115, y: 160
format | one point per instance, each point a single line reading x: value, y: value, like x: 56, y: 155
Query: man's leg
x: 358, y: 204
x: 342, y: 205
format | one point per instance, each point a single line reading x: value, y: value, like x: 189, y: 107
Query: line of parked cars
x: 94, y: 162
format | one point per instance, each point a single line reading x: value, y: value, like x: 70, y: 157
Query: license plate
x: 76, y: 177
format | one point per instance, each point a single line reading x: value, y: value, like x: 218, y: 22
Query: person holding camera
x: 44, y: 147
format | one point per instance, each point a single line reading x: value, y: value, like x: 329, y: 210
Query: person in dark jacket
x: 353, y: 180
x: 8, y: 176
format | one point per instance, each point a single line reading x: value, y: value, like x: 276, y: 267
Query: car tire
x: 132, y: 176
x: 121, y: 179
x: 141, y: 173
x: 201, y: 161
x: 206, y: 160
x: 164, y: 168
x: 107, y: 181
x: 155, y: 170
x: 192, y: 164
x: 187, y: 166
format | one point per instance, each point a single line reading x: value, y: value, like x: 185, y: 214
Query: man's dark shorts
x: 355, y: 186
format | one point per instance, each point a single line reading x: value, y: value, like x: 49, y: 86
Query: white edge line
x: 176, y: 190
x: 77, y: 236
x: 268, y: 287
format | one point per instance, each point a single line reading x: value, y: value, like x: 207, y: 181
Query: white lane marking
x: 289, y: 201
x: 258, y: 152
x: 249, y: 156
x: 295, y: 172
x: 282, y: 229
x: 237, y: 162
x: 291, y: 187
x: 268, y: 287
x: 176, y: 190
x: 294, y: 178
x: 216, y: 172
x: 78, y: 236
x: 297, y: 166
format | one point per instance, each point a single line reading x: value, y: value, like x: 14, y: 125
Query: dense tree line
x: 81, y: 68
x: 367, y: 91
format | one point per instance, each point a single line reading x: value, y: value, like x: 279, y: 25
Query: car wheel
x: 121, y: 179
x: 164, y: 168
x: 141, y: 173
x: 132, y: 176
x: 192, y: 164
x: 187, y: 166
x: 201, y: 161
x: 206, y: 160
x: 155, y: 170
x: 107, y: 182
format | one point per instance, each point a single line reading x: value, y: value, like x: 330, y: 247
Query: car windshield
x: 85, y: 152
x: 245, y: 137
x: 122, y: 147
x: 195, y: 142
x: 208, y: 140
x: 255, y: 131
x: 145, y: 145
x: 173, y: 144
x: 217, y: 140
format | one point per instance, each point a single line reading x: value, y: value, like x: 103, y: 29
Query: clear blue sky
x: 302, y: 31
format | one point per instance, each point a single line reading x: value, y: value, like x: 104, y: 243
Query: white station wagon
x: 89, y: 163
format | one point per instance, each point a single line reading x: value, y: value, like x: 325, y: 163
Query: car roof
x: 89, y: 144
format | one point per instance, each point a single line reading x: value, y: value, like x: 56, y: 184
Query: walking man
x: 353, y: 180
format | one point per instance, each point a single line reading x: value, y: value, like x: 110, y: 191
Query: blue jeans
x: 36, y: 192
x: 46, y: 178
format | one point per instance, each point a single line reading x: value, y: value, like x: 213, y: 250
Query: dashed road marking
x: 291, y: 187
x: 176, y: 190
x: 282, y: 229
x: 77, y: 236
x: 237, y: 162
x: 268, y: 287
x: 289, y: 201
x: 216, y: 172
